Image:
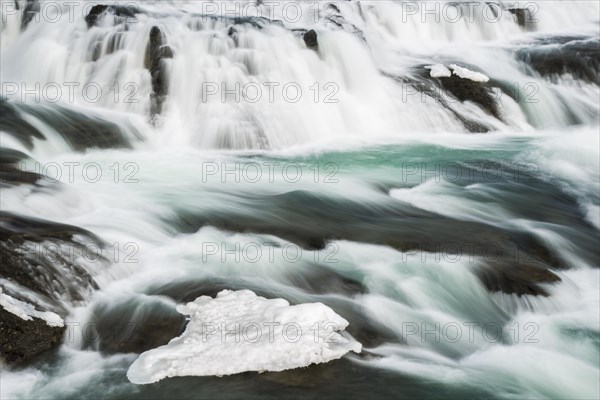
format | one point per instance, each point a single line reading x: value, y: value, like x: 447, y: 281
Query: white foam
x: 240, y: 331
x: 27, y: 311
x: 468, y: 74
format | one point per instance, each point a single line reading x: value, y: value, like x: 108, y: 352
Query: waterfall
x: 428, y: 170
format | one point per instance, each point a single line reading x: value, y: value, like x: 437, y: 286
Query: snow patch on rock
x: 466, y: 73
x: 439, y: 71
x: 27, y: 311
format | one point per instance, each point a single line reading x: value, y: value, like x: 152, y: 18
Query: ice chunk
x: 27, y: 311
x: 468, y: 74
x: 240, y: 331
x: 439, y: 71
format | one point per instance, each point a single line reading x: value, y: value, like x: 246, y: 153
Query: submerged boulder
x: 134, y: 325
x: 519, y: 262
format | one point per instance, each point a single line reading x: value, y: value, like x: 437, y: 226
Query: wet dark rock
x: 337, y: 19
x: 13, y: 123
x: 553, y: 57
x: 531, y: 246
x: 307, y: 378
x: 524, y: 17
x: 313, y: 222
x: 96, y: 52
x: 184, y: 291
x: 15, y: 226
x: 479, y: 93
x: 333, y: 7
x: 40, y: 258
x: 319, y: 279
x: 407, y: 233
x: 362, y: 327
x: 471, y: 125
x: 83, y: 132
x: 333, y: 15
x: 132, y: 326
x: 531, y: 197
x: 520, y: 279
x: 521, y: 259
x: 233, y: 34
x: 80, y: 131
x: 99, y: 11
x: 32, y: 7
x: 197, y: 23
x: 339, y: 379
x: 32, y: 258
x: 40, y: 262
x: 166, y: 52
x: 96, y: 13
x: 115, y: 40
x: 434, y: 91
x: 313, y: 279
x: 22, y: 341
x: 10, y: 172
x: 462, y: 89
x: 495, y: 7
x: 156, y: 52
x: 311, y: 40
x: 255, y: 22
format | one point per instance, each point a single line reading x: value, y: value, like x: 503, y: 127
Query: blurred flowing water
x: 381, y: 203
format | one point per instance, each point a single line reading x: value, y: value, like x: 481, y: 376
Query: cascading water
x: 427, y: 170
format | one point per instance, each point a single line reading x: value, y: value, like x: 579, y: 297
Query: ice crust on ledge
x: 27, y: 311
x: 239, y: 331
